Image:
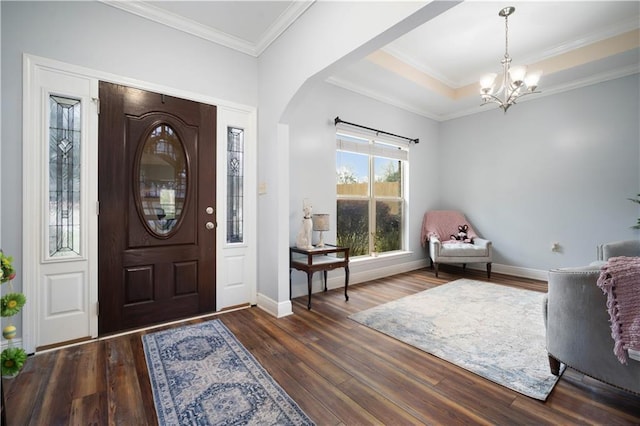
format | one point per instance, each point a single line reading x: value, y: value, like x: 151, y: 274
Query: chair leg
x: 489, y: 270
x: 435, y: 265
x: 554, y: 365
x: 464, y: 266
x: 430, y: 263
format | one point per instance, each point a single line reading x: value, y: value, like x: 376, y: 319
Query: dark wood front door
x: 156, y: 223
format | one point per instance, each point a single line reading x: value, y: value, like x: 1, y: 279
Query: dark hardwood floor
x: 338, y: 371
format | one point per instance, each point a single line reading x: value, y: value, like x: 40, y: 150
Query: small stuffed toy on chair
x: 462, y: 234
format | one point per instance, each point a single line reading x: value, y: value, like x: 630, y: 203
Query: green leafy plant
x: 7, y: 273
x: 12, y: 359
x: 11, y: 303
x: 636, y: 200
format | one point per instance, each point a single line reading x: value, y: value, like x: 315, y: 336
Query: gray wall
x: 100, y: 37
x: 312, y: 165
x: 329, y: 35
x: 558, y: 168
x: 554, y: 169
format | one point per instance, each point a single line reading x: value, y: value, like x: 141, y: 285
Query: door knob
x: 210, y: 225
x: 209, y: 210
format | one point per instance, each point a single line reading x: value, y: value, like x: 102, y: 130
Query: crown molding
x: 189, y: 26
x: 161, y: 16
x: 595, y: 79
x: 409, y: 60
x: 588, y: 81
x: 284, y: 21
x: 630, y: 24
x: 347, y: 85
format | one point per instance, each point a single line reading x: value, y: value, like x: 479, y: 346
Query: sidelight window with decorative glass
x: 516, y: 82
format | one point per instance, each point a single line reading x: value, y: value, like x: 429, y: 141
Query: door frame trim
x: 30, y: 236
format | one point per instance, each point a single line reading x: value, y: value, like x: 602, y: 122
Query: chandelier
x: 515, y: 80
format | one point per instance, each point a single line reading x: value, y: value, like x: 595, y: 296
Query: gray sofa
x: 578, y: 327
x: 618, y: 248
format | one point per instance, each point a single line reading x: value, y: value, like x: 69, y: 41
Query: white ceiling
x: 434, y: 69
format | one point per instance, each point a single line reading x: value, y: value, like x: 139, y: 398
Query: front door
x: 156, y: 223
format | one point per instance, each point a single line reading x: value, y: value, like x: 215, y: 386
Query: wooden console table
x: 319, y: 259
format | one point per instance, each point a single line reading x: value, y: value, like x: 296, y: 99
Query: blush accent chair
x: 579, y: 331
x: 437, y: 228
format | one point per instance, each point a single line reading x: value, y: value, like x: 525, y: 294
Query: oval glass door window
x: 162, y: 180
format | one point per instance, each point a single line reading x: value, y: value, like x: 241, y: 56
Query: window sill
x: 380, y: 257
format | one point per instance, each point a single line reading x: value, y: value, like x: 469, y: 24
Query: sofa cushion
x: 463, y: 249
x: 594, y: 267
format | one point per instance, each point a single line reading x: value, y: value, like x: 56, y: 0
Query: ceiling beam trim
x: 397, y: 66
x: 593, y: 52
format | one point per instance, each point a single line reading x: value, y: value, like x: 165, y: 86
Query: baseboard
x: 17, y: 343
x: 514, y: 271
x: 274, y: 308
x: 386, y: 271
x: 372, y: 273
x: 367, y: 271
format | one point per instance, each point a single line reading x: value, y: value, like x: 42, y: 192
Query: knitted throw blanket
x: 443, y: 223
x: 620, y: 280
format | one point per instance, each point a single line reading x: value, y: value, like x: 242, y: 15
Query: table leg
x: 309, y: 280
x: 346, y: 282
x: 325, y: 280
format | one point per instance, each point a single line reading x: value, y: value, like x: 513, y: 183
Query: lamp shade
x: 518, y: 73
x: 321, y: 222
x: 532, y: 79
x: 486, y: 82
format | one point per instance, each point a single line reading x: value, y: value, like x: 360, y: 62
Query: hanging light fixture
x: 515, y: 81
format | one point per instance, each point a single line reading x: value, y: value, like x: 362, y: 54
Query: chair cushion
x: 463, y: 249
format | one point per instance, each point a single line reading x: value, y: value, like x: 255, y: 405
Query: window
x: 370, y: 182
x: 162, y: 180
x: 235, y: 178
x: 65, y: 124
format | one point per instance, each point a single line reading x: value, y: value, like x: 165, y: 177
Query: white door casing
x: 62, y: 295
x: 61, y: 290
x: 236, y: 263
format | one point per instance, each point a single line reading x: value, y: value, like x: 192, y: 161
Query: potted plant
x: 12, y: 359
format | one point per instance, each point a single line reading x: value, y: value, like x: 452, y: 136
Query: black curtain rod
x: 337, y: 121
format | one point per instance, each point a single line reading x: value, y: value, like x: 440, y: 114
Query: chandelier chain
x: 506, y: 36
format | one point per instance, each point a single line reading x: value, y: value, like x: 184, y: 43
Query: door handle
x: 210, y: 225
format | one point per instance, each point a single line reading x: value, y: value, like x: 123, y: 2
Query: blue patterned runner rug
x: 492, y: 330
x: 202, y: 375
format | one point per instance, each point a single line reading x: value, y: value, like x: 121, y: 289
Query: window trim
x: 377, y: 147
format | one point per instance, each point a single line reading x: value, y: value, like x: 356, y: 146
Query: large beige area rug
x: 491, y: 330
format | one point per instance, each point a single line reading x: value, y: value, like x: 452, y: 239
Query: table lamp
x: 321, y: 224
